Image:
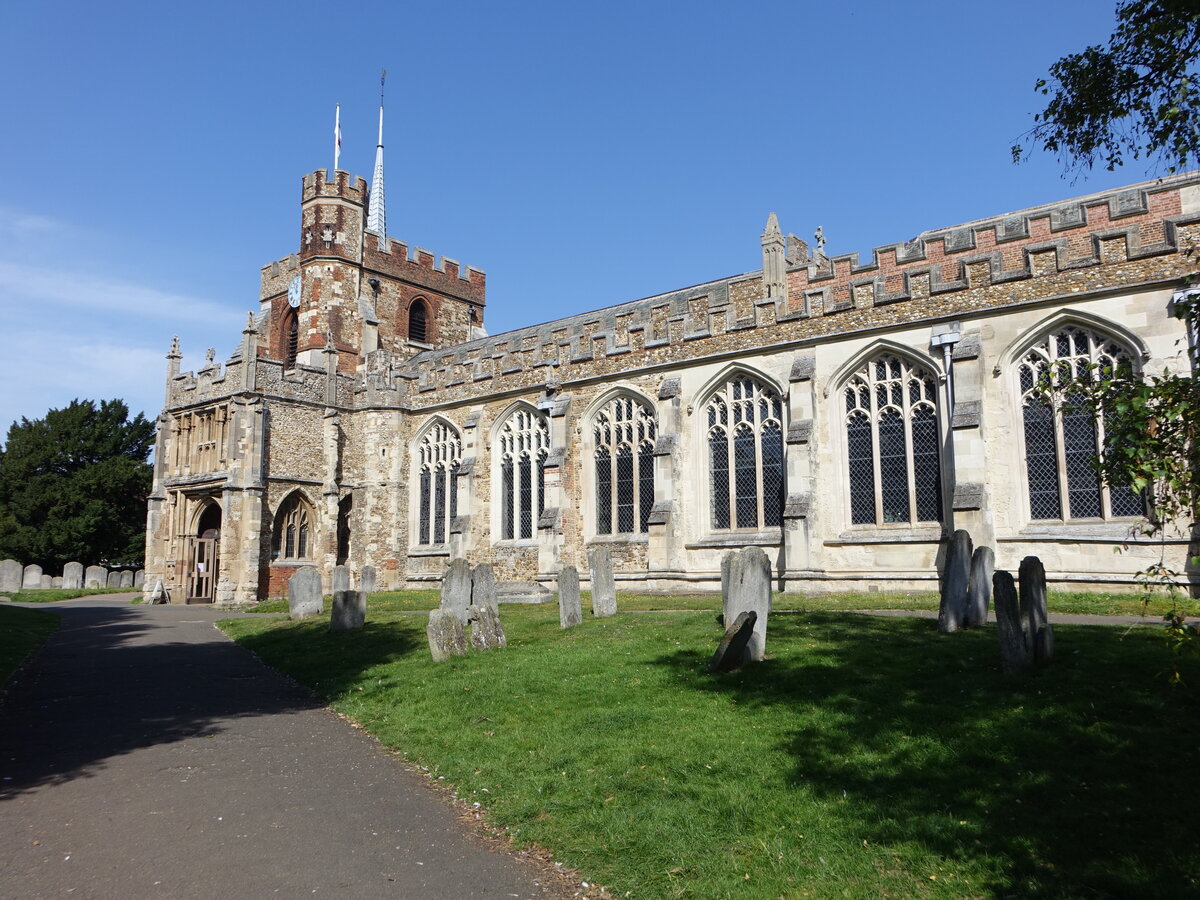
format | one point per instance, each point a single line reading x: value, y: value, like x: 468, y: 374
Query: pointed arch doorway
x: 203, y: 558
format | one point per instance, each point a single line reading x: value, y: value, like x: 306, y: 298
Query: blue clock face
x: 294, y: 292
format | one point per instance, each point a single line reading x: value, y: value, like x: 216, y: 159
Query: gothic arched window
x: 523, y: 442
x: 293, y: 529
x: 438, y: 454
x: 418, y: 322
x: 1062, y: 434
x: 624, y: 432
x: 745, y: 446
x: 892, y: 443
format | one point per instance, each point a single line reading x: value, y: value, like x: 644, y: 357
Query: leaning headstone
x: 56, y: 582
x: 11, y: 575
x: 349, y: 610
x: 139, y: 578
x: 304, y: 593
x: 748, y: 578
x: 160, y: 593
x: 979, y: 587
x: 1035, y: 618
x: 446, y: 635
x: 73, y: 575
x: 31, y: 578
x: 126, y: 578
x: 1014, y: 654
x: 483, y: 586
x: 955, y: 577
x: 46, y: 582
x: 366, y: 579
x: 456, y: 589
x: 95, y: 577
x: 486, y: 631
x: 112, y: 579
x: 604, y: 588
x: 341, y: 579
x: 734, y: 650
x: 570, y: 613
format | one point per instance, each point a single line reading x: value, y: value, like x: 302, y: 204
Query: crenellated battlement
x: 421, y: 266
x: 345, y: 186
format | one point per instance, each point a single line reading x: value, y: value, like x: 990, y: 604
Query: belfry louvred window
x: 1062, y: 435
x: 524, y: 442
x: 438, y: 454
x: 624, y: 431
x: 892, y: 443
x: 418, y: 322
x: 745, y: 447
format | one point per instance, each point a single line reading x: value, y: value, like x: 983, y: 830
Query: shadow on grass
x: 1074, y: 778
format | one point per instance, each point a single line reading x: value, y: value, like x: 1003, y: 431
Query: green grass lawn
x: 21, y: 632
x: 865, y: 758
x: 52, y: 595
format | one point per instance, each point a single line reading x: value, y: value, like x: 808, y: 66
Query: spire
x: 376, y: 214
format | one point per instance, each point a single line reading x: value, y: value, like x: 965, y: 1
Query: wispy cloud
x: 19, y: 224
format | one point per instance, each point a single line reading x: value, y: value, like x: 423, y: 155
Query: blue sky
x: 581, y: 154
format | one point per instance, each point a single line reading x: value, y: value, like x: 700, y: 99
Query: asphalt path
x: 144, y: 754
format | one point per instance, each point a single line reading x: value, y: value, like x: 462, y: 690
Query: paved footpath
x: 143, y: 754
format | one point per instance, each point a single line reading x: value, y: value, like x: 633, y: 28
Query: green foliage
x: 73, y: 486
x: 1139, y: 96
x: 21, y: 632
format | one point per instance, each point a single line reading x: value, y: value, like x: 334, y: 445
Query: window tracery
x: 523, y: 443
x: 745, y: 446
x: 293, y: 533
x: 438, y: 456
x: 624, y: 431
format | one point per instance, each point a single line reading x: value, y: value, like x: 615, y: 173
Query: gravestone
x: 11, y: 574
x: 955, y: 579
x: 139, y: 578
x: 112, y: 579
x: 73, y: 575
x: 366, y: 579
x: 1035, y: 619
x: 570, y: 613
x: 95, y: 577
x: 349, y: 611
x: 604, y: 588
x: 31, y: 578
x: 445, y: 634
x: 483, y: 586
x: 304, y: 593
x: 456, y: 589
x: 341, y: 579
x: 160, y: 593
x: 56, y: 582
x: 486, y: 630
x: 734, y: 650
x: 125, y: 579
x: 979, y: 587
x: 747, y: 580
x: 46, y: 582
x: 1014, y: 655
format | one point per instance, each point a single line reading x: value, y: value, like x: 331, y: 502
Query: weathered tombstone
x: 731, y: 576
x: 747, y: 578
x: 445, y: 634
x: 46, y: 582
x: 604, y: 588
x: 1035, y: 618
x: 483, y: 586
x: 31, y: 578
x: 11, y: 574
x: 341, y: 579
x: 139, y: 578
x: 955, y: 579
x: 734, y: 650
x: 56, y: 582
x: 160, y: 593
x: 73, y: 575
x: 979, y: 587
x: 1014, y: 655
x: 456, y: 589
x: 570, y: 613
x: 112, y: 579
x: 486, y: 631
x: 366, y: 579
x: 303, y: 593
x: 125, y: 578
x: 349, y: 610
x: 95, y: 577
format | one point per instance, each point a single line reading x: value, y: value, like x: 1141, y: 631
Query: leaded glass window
x: 745, y: 452
x: 624, y: 431
x: 524, y: 442
x: 293, y: 530
x: 1062, y: 434
x: 438, y: 454
x: 892, y: 443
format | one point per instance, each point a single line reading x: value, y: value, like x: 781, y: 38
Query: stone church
x: 845, y: 415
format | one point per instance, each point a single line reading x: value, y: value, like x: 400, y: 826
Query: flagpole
x: 337, y: 135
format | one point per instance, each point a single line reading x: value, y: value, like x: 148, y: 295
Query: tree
x: 73, y: 486
x: 1138, y: 96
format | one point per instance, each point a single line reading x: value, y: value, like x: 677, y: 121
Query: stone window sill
x: 429, y: 550
x: 900, y: 534
x: 771, y: 538
x: 294, y: 563
x: 628, y: 538
x: 1085, y: 530
x: 513, y: 544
